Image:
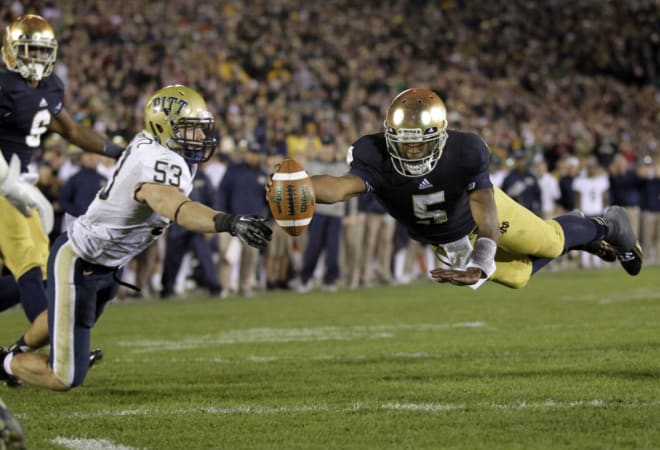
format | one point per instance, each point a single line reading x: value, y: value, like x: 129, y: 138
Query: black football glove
x: 252, y: 230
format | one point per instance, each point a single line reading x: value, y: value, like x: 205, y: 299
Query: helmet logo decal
x: 167, y: 104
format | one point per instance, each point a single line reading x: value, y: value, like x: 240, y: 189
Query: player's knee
x: 514, y: 275
x: 62, y: 383
x: 553, y: 245
x: 516, y: 282
x: 57, y: 384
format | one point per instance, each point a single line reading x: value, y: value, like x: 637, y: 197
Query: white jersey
x: 117, y: 227
x: 592, y: 192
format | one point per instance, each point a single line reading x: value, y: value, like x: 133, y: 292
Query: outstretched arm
x: 84, y: 137
x: 331, y: 189
x: 484, y: 212
x: 170, y: 202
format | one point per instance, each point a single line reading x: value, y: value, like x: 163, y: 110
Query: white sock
x: 7, y: 363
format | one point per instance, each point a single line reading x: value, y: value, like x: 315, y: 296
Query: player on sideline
x: 30, y: 105
x: 435, y: 182
x: 148, y: 191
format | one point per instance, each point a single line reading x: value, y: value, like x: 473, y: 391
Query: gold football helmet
x: 178, y: 118
x: 29, y: 47
x: 415, y: 131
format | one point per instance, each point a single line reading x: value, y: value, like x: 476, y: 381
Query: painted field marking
x: 89, y: 444
x: 275, y: 335
x: 545, y: 405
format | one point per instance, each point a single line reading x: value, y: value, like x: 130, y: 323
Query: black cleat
x: 599, y: 248
x: 95, y: 356
x: 9, y: 380
x: 621, y: 237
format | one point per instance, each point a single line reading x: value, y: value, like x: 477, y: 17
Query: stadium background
x: 548, y: 80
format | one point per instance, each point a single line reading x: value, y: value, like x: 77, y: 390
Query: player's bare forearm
x: 484, y: 212
x: 170, y: 202
x: 84, y: 137
x: 331, y: 189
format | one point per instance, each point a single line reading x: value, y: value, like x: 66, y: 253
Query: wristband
x: 112, y: 150
x: 178, y: 209
x: 483, y: 256
x: 223, y: 222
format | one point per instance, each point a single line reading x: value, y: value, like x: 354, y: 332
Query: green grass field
x: 571, y: 361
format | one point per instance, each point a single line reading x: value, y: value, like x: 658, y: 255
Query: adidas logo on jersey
x: 425, y: 184
x: 43, y: 103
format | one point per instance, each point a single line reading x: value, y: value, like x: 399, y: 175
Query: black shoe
x: 95, y: 356
x: 599, y: 248
x: 9, y: 380
x: 621, y: 237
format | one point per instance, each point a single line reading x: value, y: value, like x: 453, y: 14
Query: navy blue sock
x: 578, y: 231
x: 9, y: 295
x: 32, y: 293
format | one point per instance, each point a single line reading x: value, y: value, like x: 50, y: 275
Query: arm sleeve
x: 362, y: 161
x: 477, y: 161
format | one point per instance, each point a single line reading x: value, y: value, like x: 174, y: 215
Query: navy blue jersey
x: 434, y: 207
x: 26, y: 113
x: 80, y: 190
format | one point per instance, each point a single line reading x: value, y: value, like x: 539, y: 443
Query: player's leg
x: 24, y: 247
x: 71, y: 315
x: 175, y: 249
x: 332, y: 246
x: 316, y: 233
x: 201, y: 247
x: 527, y: 243
x: 9, y: 294
x: 524, y: 233
x: 603, y: 236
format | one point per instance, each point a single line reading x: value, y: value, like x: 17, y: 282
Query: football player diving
x: 31, y: 105
x: 435, y: 182
x: 147, y: 191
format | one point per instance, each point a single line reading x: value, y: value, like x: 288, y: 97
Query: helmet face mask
x: 415, y: 131
x: 29, y: 47
x: 178, y: 119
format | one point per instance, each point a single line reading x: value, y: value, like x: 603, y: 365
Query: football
x: 291, y: 197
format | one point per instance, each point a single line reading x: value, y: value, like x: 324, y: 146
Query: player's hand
x: 269, y: 182
x: 24, y: 195
x: 457, y: 277
x: 252, y: 230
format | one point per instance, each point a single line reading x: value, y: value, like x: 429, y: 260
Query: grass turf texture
x: 571, y: 361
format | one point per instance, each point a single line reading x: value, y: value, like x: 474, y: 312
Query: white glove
x: 24, y: 195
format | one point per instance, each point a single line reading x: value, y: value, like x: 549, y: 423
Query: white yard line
x: 545, y: 405
x: 274, y: 335
x: 89, y: 444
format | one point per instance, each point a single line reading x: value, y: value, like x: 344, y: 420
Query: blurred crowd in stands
x: 560, y: 90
